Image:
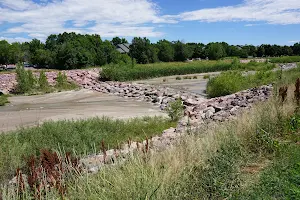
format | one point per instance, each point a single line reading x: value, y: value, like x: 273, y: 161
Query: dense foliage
x: 138, y: 72
x: 71, y: 50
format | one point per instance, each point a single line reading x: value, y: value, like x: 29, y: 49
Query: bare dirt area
x: 191, y: 84
x: 24, y: 111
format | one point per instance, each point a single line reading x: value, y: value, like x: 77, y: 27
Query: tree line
x: 71, y: 50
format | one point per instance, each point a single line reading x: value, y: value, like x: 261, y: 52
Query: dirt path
x: 31, y: 110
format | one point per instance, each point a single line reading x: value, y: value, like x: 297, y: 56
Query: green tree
x: 117, y: 40
x: 215, y: 51
x: 182, y: 51
x: 15, y: 53
x: 4, y: 52
x: 166, y: 51
x: 140, y: 49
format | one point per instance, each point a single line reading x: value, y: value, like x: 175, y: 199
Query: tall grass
x: 233, y: 81
x: 83, y: 136
x: 3, y: 100
x: 285, y: 59
x: 216, y: 163
x: 127, y: 73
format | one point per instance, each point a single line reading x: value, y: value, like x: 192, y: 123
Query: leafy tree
x: 141, y: 50
x: 15, y: 53
x: 261, y: 51
x: 4, y: 52
x: 117, y: 40
x: 165, y: 51
x: 215, y: 51
x: 296, y: 49
x: 182, y: 51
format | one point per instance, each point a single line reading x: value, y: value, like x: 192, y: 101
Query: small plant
x: 61, y: 81
x: 43, y: 82
x: 23, y: 85
x: 31, y: 79
x: 164, y: 80
x: 206, y: 76
x: 195, y: 77
x: 175, y: 110
x: 178, y: 78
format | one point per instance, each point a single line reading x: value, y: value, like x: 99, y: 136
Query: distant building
x: 123, y: 48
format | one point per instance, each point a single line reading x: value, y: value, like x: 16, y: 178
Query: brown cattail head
x: 283, y: 93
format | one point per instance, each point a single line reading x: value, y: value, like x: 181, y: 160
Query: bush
x: 206, y: 76
x: 178, y: 78
x: 175, y: 110
x: 43, y: 82
x: 285, y: 59
x: 225, y: 84
x: 24, y: 81
x: 3, y: 100
x: 230, y: 82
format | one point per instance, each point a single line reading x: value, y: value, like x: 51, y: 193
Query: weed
x: 178, y: 78
x: 175, y: 110
x: 206, y: 76
x: 43, y: 82
x: 195, y: 77
x: 164, y: 80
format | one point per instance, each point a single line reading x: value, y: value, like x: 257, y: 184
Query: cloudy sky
x: 233, y: 21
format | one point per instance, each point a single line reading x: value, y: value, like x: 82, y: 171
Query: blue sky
x: 233, y: 21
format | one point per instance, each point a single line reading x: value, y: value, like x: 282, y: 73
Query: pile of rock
x: 196, y: 114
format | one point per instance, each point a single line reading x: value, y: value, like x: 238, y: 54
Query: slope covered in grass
x: 83, y: 136
x: 253, y: 157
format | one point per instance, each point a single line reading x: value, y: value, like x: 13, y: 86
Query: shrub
x: 178, y: 78
x: 175, y: 110
x: 24, y: 84
x: 225, y: 84
x: 3, y: 100
x: 61, y: 81
x: 206, y: 76
x: 195, y: 77
x: 43, y: 82
x: 285, y: 59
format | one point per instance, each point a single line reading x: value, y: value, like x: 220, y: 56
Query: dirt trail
x: 26, y: 111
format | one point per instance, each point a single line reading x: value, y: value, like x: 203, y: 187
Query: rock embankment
x: 196, y: 114
x: 197, y: 109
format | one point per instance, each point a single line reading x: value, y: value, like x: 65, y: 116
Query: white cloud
x: 17, y: 4
x: 270, y: 11
x: 294, y: 41
x: 15, y: 39
x: 110, y: 17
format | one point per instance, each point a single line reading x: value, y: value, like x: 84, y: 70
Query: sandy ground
x: 26, y: 111
x: 193, y: 85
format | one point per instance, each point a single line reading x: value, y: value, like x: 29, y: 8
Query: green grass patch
x: 210, y: 165
x: 82, y: 136
x: 233, y: 81
x: 138, y: 72
x: 285, y: 59
x: 3, y: 100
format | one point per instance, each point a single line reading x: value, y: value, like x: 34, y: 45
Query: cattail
x: 283, y: 93
x: 297, y: 91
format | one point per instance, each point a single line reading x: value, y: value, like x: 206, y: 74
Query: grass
x: 233, y: 81
x: 82, y: 136
x: 3, y: 100
x: 138, y: 72
x: 250, y: 158
x: 285, y: 59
